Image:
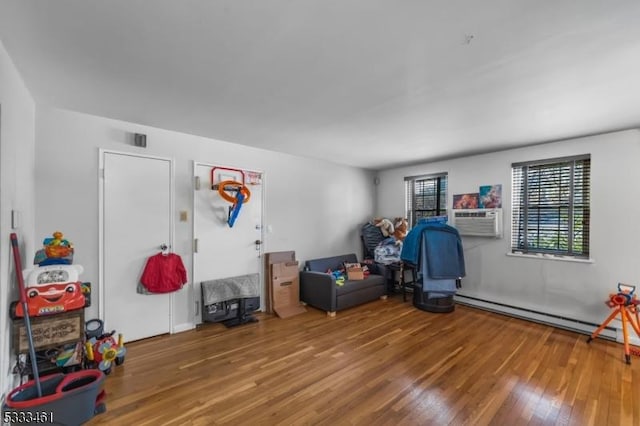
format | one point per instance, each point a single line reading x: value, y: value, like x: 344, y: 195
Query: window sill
x: 551, y: 257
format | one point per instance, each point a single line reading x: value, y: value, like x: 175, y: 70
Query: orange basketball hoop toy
x: 241, y: 193
x: 232, y: 185
x: 241, y: 197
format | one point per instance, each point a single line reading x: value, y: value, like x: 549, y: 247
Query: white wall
x: 17, y: 141
x: 314, y: 207
x: 575, y: 290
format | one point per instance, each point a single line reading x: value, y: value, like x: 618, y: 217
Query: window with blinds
x: 426, y: 197
x: 550, y: 206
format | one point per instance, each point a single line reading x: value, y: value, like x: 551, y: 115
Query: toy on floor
x: 624, y: 303
x: 104, y: 351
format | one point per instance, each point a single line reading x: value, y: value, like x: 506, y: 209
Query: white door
x: 223, y: 251
x: 137, y: 221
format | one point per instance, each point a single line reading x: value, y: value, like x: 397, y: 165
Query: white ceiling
x: 368, y: 83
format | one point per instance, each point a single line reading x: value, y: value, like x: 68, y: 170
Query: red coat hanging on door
x: 164, y: 273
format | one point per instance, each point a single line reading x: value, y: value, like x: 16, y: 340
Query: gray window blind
x: 426, y: 197
x: 551, y: 206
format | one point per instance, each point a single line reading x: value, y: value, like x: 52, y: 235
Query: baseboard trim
x: 572, y: 324
x: 183, y: 327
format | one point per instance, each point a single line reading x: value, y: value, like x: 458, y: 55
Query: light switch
x: 183, y: 216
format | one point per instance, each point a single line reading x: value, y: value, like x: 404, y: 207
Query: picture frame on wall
x: 466, y: 201
x: 490, y: 196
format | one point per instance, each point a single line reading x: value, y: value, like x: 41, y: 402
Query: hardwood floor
x: 383, y: 363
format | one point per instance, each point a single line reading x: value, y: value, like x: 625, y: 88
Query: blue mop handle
x: 25, y: 309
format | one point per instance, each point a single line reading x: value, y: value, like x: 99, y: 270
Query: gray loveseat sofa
x: 319, y: 289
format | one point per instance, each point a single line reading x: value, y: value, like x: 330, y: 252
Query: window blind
x: 551, y: 206
x: 426, y: 197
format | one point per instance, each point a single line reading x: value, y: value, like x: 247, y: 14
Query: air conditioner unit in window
x: 478, y: 222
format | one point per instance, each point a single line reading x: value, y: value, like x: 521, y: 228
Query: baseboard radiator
x: 572, y: 324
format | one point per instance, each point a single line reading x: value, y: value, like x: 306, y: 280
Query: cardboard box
x: 270, y: 259
x: 286, y: 292
x: 286, y: 289
x: 286, y: 269
x: 355, y: 273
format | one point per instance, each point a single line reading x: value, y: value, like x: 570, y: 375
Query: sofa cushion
x: 356, y: 285
x: 334, y: 263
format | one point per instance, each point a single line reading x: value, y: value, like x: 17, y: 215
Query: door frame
x: 195, y: 298
x: 101, y: 248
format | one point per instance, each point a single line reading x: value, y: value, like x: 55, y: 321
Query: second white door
x: 224, y: 251
x: 137, y: 220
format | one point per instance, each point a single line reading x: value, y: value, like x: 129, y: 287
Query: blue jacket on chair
x: 443, y: 244
x: 436, y: 248
x: 444, y: 253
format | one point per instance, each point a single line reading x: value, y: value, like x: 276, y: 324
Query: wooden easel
x: 625, y: 304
